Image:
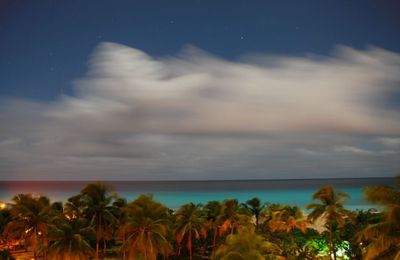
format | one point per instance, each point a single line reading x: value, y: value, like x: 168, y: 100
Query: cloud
x: 196, y: 116
x: 389, y: 141
x: 352, y: 149
x: 195, y: 92
x: 361, y: 151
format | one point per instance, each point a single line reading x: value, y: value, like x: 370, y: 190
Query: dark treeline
x: 96, y: 224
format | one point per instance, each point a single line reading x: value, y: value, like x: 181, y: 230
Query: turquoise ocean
x: 176, y: 193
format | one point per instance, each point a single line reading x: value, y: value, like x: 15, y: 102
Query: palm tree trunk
x: 215, y: 238
x: 97, y: 247
x: 106, y: 231
x: 190, y: 245
x: 45, y: 247
x: 293, y: 244
x: 257, y: 220
x: 70, y: 250
x: 34, y: 243
x: 97, y: 242
x: 123, y: 243
x: 145, y: 254
x: 104, y: 246
x: 98, y: 238
x: 333, y: 251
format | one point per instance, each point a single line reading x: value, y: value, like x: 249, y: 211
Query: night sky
x: 172, y: 90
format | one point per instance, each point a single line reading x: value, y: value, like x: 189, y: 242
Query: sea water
x: 176, y: 193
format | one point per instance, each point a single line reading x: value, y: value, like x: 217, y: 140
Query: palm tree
x: 120, y: 212
x: 351, y: 231
x: 331, y: 210
x: 268, y: 213
x: 30, y: 219
x: 255, y: 207
x: 74, y: 207
x: 288, y: 219
x: 213, y: 210
x: 230, y: 217
x: 246, y: 245
x: 146, y: 229
x: 97, y: 207
x: 5, y: 218
x: 70, y: 239
x: 190, y: 223
x: 384, y: 236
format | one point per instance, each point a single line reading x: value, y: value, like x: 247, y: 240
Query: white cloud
x: 308, y: 152
x: 198, y: 116
x: 352, y: 149
x: 389, y: 141
x: 200, y: 93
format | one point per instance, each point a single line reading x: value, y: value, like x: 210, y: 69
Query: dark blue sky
x: 317, y: 102
x: 45, y: 45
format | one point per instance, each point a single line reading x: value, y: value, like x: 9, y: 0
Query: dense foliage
x: 96, y: 225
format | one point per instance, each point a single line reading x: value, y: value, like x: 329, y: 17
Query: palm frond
x: 383, y: 195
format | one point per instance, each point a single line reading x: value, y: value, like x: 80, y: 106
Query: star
x: 242, y: 37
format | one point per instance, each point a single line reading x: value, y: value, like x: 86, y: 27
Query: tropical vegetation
x: 383, y: 238
x: 331, y: 209
x: 96, y: 224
